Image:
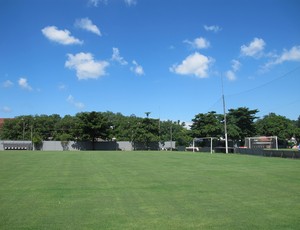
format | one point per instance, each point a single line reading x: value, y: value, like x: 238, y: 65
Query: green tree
x: 64, y: 140
x: 297, y: 122
x: 37, y: 141
x: 207, y: 125
x: 121, y: 126
x: 297, y: 131
x: 240, y: 123
x: 45, y: 126
x: 19, y: 128
x: 182, y: 135
x: 146, y: 131
x: 179, y: 133
x: 275, y: 125
x: 12, y: 129
x: 66, y: 127
x: 92, y: 126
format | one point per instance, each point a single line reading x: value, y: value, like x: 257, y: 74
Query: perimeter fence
x: 269, y: 152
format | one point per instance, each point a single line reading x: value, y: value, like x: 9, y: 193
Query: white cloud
x: 6, y: 109
x: 130, y: 2
x: 195, y: 64
x: 60, y: 36
x: 24, y: 84
x: 85, y: 65
x: 213, y: 28
x: 94, y: 2
x: 87, y: 24
x: 287, y: 55
x: 254, y: 49
x: 77, y: 104
x: 235, y: 65
x: 137, y: 69
x: 117, y: 57
x: 231, y: 74
x: 7, y: 84
x: 198, y: 43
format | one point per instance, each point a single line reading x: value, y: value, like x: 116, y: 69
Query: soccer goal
x: 262, y: 142
x: 202, y: 140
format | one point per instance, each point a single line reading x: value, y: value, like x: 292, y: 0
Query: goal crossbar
x: 198, y: 139
x: 262, y: 140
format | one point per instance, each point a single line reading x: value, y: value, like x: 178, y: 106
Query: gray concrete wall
x: 77, y: 146
x: 125, y: 145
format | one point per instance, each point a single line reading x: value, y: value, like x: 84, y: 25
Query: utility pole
x: 31, y: 133
x: 23, y: 128
x: 171, y: 132
x: 159, y: 144
x: 31, y: 136
x: 225, y: 120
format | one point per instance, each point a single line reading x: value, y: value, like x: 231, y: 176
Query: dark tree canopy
x: 241, y: 123
x: 276, y: 125
x: 96, y: 126
x: 207, y: 125
x: 92, y: 126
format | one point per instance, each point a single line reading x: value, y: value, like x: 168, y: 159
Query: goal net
x: 200, y: 144
x: 262, y: 142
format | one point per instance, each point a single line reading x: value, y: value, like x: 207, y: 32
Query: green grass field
x: 147, y: 190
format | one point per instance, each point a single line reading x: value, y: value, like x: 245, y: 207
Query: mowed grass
x: 147, y: 190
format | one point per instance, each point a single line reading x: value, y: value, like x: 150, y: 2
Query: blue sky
x: 134, y: 56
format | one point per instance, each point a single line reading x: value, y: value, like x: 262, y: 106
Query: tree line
x: 98, y: 126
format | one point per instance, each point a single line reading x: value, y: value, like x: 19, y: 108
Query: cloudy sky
x: 169, y: 57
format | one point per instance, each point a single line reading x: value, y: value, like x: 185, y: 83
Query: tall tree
x: 121, y: 126
x: 207, y: 125
x: 275, y: 125
x: 298, y: 122
x: 146, y: 131
x: 241, y: 123
x: 92, y: 126
x: 179, y: 133
x: 19, y: 128
x: 12, y: 129
x: 44, y: 126
x: 66, y: 128
x: 297, y: 131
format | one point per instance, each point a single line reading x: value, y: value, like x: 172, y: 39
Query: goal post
x: 202, y: 139
x: 262, y: 142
